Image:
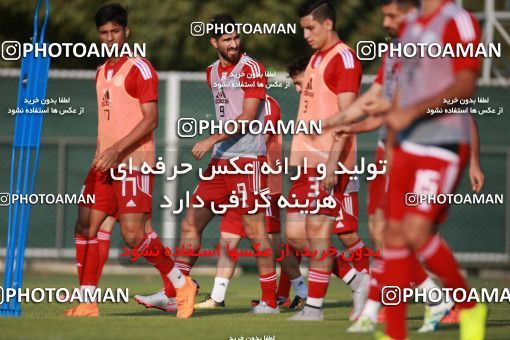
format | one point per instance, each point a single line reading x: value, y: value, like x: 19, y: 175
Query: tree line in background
x: 164, y: 25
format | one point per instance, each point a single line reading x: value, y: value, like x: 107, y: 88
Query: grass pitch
x: 130, y: 320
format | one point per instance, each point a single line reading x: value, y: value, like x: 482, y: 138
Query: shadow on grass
x: 144, y: 312
x: 337, y: 304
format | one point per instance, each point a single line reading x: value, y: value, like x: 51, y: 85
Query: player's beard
x: 233, y: 60
x: 393, y: 34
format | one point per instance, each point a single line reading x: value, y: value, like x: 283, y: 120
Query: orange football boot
x: 186, y: 298
x: 452, y: 317
x: 83, y: 309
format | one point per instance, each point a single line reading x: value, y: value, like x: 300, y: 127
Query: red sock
x: 397, y: 271
x: 80, y: 243
x: 90, y: 263
x: 419, y: 273
x: 167, y: 284
x: 103, y: 244
x: 268, y: 286
x: 374, y: 289
x: 163, y: 263
x: 341, y: 267
x: 283, y: 285
x: 376, y: 270
x: 184, y: 267
x: 318, y: 282
x: 439, y: 259
x: 361, y: 261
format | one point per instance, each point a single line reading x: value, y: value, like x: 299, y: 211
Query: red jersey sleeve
x: 273, y: 112
x: 343, y: 73
x: 254, y: 74
x: 463, y: 29
x: 142, y: 82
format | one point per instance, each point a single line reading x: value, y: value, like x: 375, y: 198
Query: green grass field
x: 130, y: 320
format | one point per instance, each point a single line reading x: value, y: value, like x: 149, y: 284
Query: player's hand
x: 106, y: 159
x: 376, y: 106
x: 476, y: 177
x: 201, y: 148
x: 342, y: 131
x: 329, y: 181
x: 398, y: 120
x: 326, y: 123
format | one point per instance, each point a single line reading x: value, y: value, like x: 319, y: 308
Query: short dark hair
x: 319, y: 9
x: 406, y: 4
x: 112, y: 13
x: 219, y: 21
x: 298, y: 66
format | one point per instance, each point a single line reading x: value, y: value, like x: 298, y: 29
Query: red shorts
x: 308, y: 187
x: 131, y: 195
x: 348, y: 215
x: 222, y: 186
x: 232, y: 222
x: 378, y: 187
x: 426, y: 170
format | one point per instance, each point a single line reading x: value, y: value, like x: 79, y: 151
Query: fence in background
x: 478, y: 234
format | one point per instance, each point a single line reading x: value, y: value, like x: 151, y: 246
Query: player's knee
x: 417, y: 239
x: 314, y: 232
x: 132, y: 237
x: 293, y: 241
x: 228, y: 242
x: 254, y: 227
x: 189, y: 229
x: 132, y: 242
x: 296, y: 238
x: 348, y: 239
x: 83, y: 229
x: 418, y: 230
x: 394, y: 236
x: 255, y: 233
x: 319, y: 228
